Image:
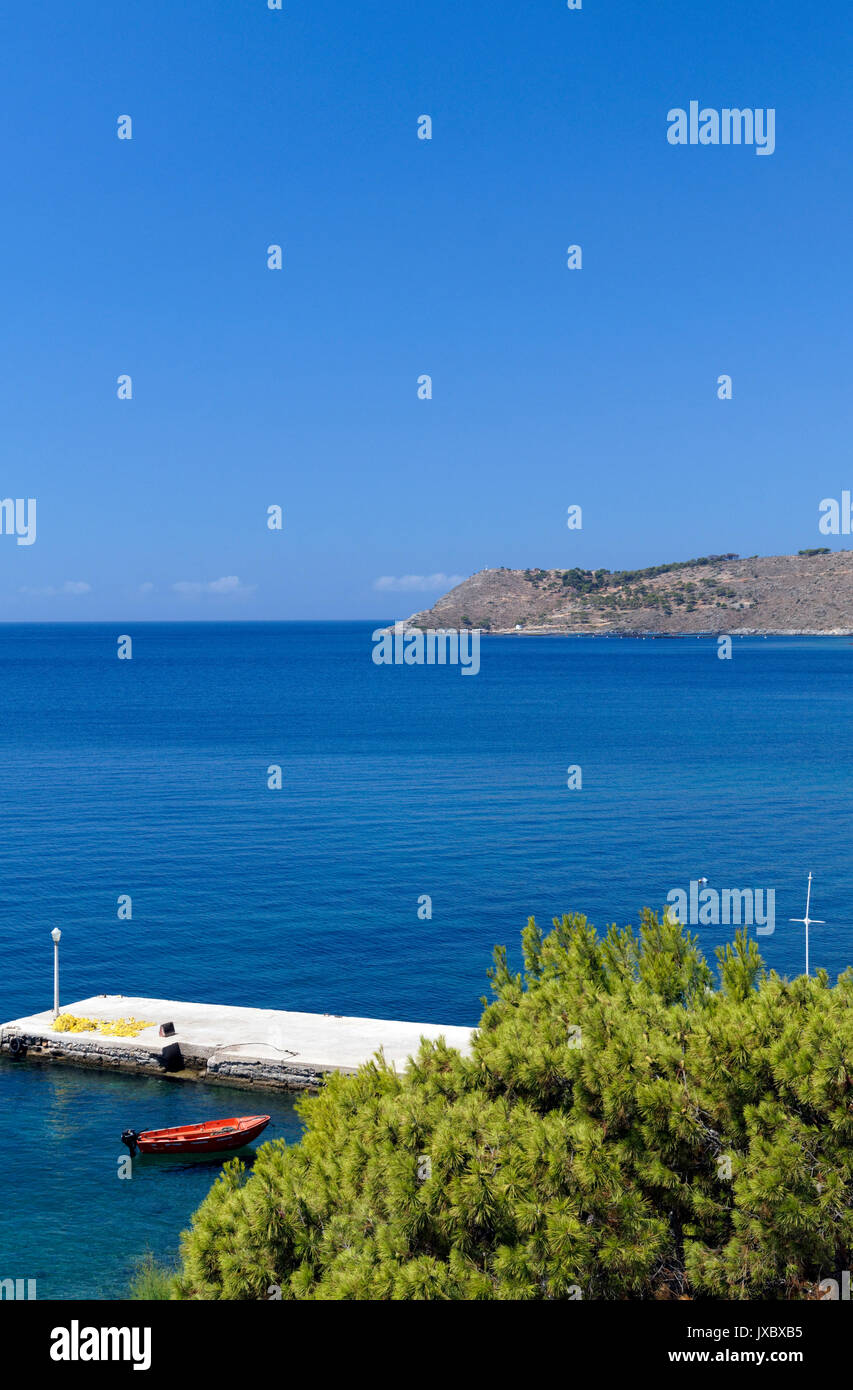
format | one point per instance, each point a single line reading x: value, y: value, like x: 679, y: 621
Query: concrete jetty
x: 265, y: 1048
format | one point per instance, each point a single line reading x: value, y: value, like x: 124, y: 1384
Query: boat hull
x: 214, y: 1136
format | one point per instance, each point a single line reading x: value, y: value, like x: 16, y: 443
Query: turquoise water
x: 148, y: 778
x: 68, y: 1220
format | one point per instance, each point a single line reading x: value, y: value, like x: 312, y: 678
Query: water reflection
x: 68, y: 1219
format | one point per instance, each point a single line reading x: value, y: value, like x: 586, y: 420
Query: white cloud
x: 71, y: 587
x: 147, y: 587
x: 228, y: 585
x: 418, y: 583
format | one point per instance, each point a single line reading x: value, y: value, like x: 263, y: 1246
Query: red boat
x: 206, y: 1138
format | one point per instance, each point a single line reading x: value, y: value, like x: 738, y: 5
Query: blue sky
x: 298, y: 387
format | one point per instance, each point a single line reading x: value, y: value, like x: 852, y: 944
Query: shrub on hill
x: 623, y: 1129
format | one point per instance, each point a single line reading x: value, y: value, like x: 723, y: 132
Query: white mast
x: 808, y: 921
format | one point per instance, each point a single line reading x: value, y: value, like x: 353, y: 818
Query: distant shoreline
x: 406, y: 625
x: 671, y: 636
x: 759, y: 596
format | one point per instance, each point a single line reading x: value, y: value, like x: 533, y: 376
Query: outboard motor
x: 130, y: 1137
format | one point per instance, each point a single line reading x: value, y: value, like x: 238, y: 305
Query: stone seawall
x: 271, y: 1075
x: 90, y: 1051
x: 169, y: 1063
x: 264, y: 1049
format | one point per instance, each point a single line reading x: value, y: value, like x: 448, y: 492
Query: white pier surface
x: 221, y: 1036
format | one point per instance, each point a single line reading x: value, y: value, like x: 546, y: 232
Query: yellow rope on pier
x: 118, y: 1028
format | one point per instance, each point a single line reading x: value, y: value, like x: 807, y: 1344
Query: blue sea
x: 149, y: 777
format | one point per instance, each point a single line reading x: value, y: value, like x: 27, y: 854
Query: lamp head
x: 55, y: 934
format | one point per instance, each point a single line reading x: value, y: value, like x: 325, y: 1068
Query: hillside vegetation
x: 623, y: 1129
x: 809, y: 592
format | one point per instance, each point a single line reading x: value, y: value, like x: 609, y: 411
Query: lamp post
x: 55, y: 935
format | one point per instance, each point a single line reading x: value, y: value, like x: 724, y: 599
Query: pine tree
x: 623, y: 1129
